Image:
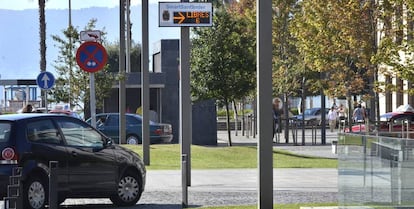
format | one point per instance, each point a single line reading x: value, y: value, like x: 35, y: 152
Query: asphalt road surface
x: 226, y: 187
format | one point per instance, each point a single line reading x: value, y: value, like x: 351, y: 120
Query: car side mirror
x: 108, y: 142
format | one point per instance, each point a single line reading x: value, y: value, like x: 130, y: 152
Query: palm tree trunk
x: 42, y: 23
x: 42, y: 33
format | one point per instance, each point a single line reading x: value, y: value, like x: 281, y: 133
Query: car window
x: 385, y: 117
x: 5, y: 131
x: 43, y: 131
x: 112, y: 120
x: 100, y: 120
x: 80, y: 134
x: 401, y: 120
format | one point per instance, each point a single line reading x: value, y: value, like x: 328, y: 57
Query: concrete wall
x: 204, y: 123
x: 169, y: 103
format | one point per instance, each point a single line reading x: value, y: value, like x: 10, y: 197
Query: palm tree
x: 42, y: 32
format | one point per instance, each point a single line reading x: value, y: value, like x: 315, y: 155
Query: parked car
x: 108, y: 123
x: 312, y: 116
x: 395, y: 121
x: 89, y: 164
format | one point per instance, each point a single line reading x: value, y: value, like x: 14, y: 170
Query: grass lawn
x: 167, y: 157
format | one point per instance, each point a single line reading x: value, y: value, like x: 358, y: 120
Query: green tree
x: 336, y: 39
x: 287, y: 68
x: 396, y: 47
x: 113, y: 57
x: 222, y: 61
x: 72, y: 83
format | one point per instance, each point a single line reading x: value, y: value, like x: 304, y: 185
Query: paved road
x: 227, y: 187
x: 234, y: 186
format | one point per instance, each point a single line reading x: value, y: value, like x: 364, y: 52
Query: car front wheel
x: 35, y: 193
x: 128, y: 191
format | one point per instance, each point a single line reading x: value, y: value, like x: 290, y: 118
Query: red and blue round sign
x: 91, y: 56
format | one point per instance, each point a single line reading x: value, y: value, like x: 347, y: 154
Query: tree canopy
x: 72, y: 83
x: 222, y: 60
x: 335, y: 38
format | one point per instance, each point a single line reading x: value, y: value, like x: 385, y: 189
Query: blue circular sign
x: 45, y: 80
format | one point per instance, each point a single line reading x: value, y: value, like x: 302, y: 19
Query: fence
x: 247, y: 126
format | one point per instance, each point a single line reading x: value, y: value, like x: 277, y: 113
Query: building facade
x: 396, y: 24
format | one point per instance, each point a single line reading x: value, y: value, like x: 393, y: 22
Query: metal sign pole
x: 122, y: 90
x: 264, y: 103
x: 92, y: 98
x: 185, y: 108
x: 46, y: 102
x: 145, y: 99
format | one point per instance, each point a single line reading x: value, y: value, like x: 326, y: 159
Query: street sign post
x: 45, y: 80
x: 185, y: 14
x: 91, y: 56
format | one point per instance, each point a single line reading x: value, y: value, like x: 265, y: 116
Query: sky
x: 19, y: 36
x: 62, y: 4
x: 20, y: 20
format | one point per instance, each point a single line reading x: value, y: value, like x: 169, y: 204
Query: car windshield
x: 385, y: 117
x: 309, y: 111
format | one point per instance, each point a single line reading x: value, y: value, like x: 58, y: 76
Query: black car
x: 89, y: 164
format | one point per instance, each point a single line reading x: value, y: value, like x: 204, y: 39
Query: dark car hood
x: 127, y: 155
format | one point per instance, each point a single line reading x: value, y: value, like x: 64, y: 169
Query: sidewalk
x: 317, y: 149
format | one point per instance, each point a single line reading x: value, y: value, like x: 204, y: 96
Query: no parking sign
x: 91, y: 56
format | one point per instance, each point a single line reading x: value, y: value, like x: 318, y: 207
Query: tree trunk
x: 349, y: 112
x: 42, y: 33
x: 236, y: 119
x: 228, y: 123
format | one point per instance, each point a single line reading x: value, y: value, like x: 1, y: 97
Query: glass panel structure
x: 375, y: 171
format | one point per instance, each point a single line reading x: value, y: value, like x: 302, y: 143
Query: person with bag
x: 359, y: 114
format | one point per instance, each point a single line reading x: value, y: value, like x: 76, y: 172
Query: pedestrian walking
x: 359, y: 114
x: 332, y: 117
x: 276, y: 119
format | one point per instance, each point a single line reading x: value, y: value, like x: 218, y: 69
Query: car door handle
x: 74, y: 154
